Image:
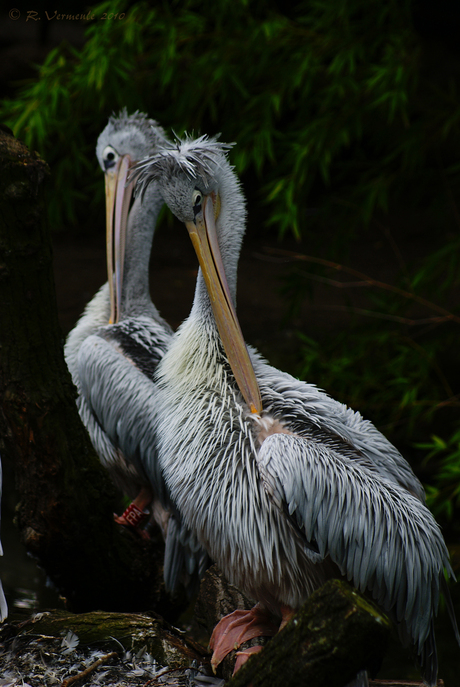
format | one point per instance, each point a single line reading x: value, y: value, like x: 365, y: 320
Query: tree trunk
x: 66, y: 498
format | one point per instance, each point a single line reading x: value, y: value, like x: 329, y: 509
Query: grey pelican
x: 282, y: 485
x: 115, y: 347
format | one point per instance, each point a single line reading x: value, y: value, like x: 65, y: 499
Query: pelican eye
x: 197, y: 202
x: 109, y: 157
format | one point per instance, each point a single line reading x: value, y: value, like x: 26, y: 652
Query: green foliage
x: 388, y: 374
x: 315, y: 92
x: 395, y: 358
x: 444, y: 495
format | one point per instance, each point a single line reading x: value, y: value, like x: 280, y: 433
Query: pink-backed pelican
x: 113, y: 351
x: 282, y: 485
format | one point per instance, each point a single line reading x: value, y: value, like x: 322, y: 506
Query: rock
x: 217, y: 597
x: 335, y: 634
x: 133, y: 631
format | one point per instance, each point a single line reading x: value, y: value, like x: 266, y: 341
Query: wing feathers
x: 380, y: 536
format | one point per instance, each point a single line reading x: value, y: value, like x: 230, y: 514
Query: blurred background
x: 346, y: 116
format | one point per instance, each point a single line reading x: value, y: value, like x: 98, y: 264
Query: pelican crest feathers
x: 153, y: 131
x: 196, y: 157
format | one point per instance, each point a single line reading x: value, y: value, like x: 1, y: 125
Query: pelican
x: 115, y: 347
x: 282, y: 485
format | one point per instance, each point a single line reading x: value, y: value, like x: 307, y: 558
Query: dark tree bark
x: 66, y: 498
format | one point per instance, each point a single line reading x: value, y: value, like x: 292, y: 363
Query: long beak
x: 204, y: 238
x: 117, y: 200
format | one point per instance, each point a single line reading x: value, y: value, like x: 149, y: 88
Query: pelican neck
x: 142, y: 219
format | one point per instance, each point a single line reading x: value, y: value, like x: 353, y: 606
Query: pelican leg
x: 135, y: 514
x: 287, y: 613
x: 239, y: 627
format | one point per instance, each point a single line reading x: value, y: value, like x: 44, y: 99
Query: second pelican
x: 113, y: 351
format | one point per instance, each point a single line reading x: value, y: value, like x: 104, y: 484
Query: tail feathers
x: 428, y: 659
x: 174, y: 556
x: 360, y: 680
x: 185, y: 561
x: 203, y: 563
x: 450, y: 608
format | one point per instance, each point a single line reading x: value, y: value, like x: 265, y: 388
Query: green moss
x: 133, y: 631
x: 333, y: 636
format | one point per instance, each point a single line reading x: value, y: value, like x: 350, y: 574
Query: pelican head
x: 125, y: 140
x: 198, y: 185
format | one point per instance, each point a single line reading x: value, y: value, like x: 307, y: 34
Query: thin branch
x: 155, y: 679
x: 395, y: 248
x: 386, y: 231
x: 381, y: 316
x: 453, y: 402
x: 364, y: 277
x: 434, y: 366
x: 85, y: 673
x: 334, y: 282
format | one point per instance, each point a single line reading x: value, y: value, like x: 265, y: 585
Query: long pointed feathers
x: 196, y: 157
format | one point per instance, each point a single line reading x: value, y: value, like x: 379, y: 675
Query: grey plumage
x: 89, y: 359
x: 113, y: 364
x: 306, y: 489
x: 191, y: 156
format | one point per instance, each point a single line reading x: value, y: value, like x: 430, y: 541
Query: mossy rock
x: 335, y: 634
x: 135, y: 631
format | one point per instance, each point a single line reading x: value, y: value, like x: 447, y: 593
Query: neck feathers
x: 141, y: 227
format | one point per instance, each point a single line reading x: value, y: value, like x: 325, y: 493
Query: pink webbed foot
x: 287, y: 613
x: 242, y: 656
x: 236, y: 628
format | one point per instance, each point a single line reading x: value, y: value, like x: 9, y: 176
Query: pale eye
x: 109, y: 157
x: 197, y: 200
